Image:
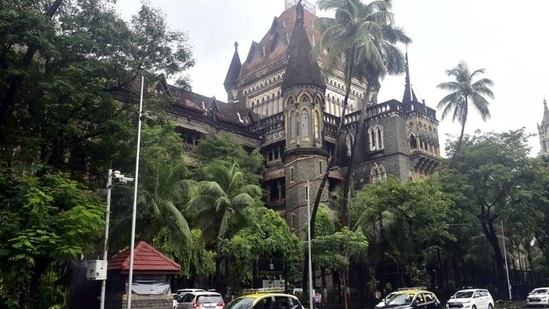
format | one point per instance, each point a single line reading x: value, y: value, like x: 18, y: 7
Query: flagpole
x: 134, y: 211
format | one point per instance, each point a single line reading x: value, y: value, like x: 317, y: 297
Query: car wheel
x: 490, y: 306
x: 474, y: 307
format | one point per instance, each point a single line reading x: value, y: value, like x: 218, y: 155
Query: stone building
x: 281, y: 101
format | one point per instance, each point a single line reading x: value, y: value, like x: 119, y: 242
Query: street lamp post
x: 134, y: 208
x: 309, y: 254
x: 309, y: 240
x: 123, y: 179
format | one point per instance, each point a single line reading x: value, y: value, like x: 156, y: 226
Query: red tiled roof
x: 146, y: 259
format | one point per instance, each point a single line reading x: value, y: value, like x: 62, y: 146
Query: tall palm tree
x: 361, y: 39
x: 464, y: 90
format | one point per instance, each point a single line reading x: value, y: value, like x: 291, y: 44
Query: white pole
x: 505, y: 258
x: 130, y: 279
x: 310, y: 262
x: 106, y: 244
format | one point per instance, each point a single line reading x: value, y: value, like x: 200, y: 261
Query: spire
x: 234, y: 70
x: 409, y: 95
x: 545, y: 120
x: 302, y: 69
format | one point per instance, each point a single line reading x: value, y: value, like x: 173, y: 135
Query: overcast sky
x: 510, y: 40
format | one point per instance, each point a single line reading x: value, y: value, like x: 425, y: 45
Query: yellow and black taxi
x: 413, y: 299
x: 265, y: 299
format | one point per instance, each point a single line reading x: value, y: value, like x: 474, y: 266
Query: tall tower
x: 303, y: 90
x: 543, y: 130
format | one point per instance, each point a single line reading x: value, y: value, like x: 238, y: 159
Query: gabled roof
x: 273, y: 47
x: 146, y: 259
x: 302, y: 69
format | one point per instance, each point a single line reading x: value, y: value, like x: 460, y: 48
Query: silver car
x: 538, y: 297
x: 201, y: 300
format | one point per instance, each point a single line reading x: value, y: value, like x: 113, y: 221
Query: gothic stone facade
x: 280, y: 101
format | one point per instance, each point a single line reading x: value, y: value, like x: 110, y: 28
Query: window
x: 316, y: 125
x: 304, y: 123
x: 293, y: 125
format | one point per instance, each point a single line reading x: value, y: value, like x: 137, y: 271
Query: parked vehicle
x: 265, y: 300
x: 180, y: 293
x: 391, y: 295
x: 538, y: 297
x: 414, y: 299
x: 471, y: 299
x: 201, y: 300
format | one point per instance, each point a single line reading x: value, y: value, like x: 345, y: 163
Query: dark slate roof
x: 146, y: 259
x: 273, y: 46
x: 302, y: 68
x: 234, y: 70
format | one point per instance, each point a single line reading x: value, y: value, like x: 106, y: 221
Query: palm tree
x: 465, y: 89
x: 162, y: 195
x: 362, y: 39
x: 221, y: 202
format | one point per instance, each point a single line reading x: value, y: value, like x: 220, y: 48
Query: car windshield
x: 539, y: 291
x: 240, y: 303
x: 211, y: 298
x: 400, y: 299
x: 464, y: 294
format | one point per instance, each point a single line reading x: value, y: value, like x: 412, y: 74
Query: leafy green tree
x: 405, y: 221
x: 64, y: 63
x: 196, y: 261
x: 45, y: 220
x: 507, y: 187
x: 344, y: 245
x: 265, y: 236
x: 362, y: 39
x: 465, y: 90
x: 222, y: 147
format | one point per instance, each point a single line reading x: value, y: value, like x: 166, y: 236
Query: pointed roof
x: 302, y: 68
x: 146, y: 259
x: 545, y: 120
x: 234, y: 70
x: 272, y: 49
x: 409, y: 95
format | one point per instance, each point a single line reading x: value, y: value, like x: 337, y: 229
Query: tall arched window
x: 379, y: 138
x: 305, y: 123
x: 372, y: 138
x: 316, y: 125
x: 293, y: 125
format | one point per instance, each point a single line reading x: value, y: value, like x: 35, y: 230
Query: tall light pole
x: 506, y: 265
x: 309, y: 240
x: 309, y: 253
x: 134, y: 211
x: 123, y: 179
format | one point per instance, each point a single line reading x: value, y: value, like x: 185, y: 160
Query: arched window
x: 293, y: 125
x: 372, y: 138
x: 413, y: 142
x: 379, y: 138
x: 305, y: 123
x: 316, y: 125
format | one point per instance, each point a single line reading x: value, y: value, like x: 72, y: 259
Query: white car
x: 180, y: 293
x: 471, y: 299
x: 201, y: 300
x: 538, y: 297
